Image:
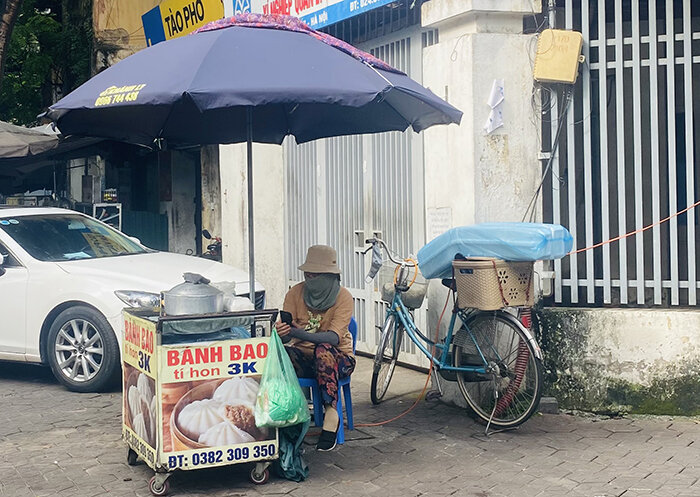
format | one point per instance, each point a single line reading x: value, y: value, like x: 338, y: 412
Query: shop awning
x: 23, y: 150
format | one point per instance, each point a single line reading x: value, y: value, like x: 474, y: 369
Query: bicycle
x: 497, y: 362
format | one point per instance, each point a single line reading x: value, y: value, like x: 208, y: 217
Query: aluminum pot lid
x: 195, y: 285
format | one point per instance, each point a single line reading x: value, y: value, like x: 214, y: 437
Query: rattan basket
x: 491, y: 284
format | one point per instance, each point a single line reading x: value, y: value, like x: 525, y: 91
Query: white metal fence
x: 343, y: 190
x: 627, y: 153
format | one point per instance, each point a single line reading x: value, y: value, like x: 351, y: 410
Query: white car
x: 64, y: 280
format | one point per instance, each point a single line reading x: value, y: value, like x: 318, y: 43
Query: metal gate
x: 626, y: 154
x: 340, y: 191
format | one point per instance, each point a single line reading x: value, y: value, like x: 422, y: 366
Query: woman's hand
x: 282, y: 329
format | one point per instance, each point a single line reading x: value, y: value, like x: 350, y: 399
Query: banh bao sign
x: 317, y: 13
x: 208, y: 394
x: 190, y: 406
x: 174, y: 18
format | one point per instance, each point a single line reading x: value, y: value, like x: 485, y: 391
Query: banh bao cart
x: 190, y: 384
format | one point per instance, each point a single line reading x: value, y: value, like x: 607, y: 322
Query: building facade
x: 612, y: 154
x: 615, y: 320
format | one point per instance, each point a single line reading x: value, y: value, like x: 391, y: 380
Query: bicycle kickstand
x: 433, y: 395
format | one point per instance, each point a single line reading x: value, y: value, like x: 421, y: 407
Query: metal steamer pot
x: 194, y: 296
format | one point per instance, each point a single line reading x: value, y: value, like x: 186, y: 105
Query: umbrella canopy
x: 248, y: 78
x: 196, y: 89
x: 18, y: 141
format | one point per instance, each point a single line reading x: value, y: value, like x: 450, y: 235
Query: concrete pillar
x: 268, y: 210
x: 472, y: 176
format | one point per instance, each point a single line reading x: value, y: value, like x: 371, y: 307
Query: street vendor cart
x: 190, y: 384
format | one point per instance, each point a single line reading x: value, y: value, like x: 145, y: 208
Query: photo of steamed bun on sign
x: 208, y: 394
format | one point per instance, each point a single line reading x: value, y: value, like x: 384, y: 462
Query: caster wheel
x: 131, y: 457
x: 259, y: 478
x: 155, y: 489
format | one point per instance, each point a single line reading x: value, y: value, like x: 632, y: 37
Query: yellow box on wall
x: 558, y: 56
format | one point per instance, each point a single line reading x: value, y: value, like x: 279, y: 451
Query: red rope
x: 635, y: 232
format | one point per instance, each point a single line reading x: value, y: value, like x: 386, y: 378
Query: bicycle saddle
x: 450, y: 283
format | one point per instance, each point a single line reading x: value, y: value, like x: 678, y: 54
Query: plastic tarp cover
x: 507, y: 241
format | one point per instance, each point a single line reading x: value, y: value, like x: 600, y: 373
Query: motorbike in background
x: 214, y: 248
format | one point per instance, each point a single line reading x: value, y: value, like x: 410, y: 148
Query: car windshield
x: 65, y: 237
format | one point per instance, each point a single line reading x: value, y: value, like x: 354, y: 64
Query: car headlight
x: 134, y: 298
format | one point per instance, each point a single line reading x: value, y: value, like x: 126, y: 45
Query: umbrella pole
x: 251, y: 242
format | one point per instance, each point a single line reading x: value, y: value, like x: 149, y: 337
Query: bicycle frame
x: 399, y: 310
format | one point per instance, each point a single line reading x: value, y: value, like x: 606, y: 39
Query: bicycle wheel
x: 509, y: 393
x: 385, y: 358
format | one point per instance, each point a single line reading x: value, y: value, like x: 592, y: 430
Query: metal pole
x: 251, y: 243
x: 552, y: 13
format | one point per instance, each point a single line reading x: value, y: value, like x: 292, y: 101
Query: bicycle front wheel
x: 385, y: 358
x: 509, y: 393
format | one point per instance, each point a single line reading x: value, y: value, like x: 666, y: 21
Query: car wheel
x: 82, y: 350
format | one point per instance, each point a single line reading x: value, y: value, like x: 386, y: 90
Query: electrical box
x: 558, y: 56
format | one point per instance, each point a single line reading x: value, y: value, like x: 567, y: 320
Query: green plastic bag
x: 280, y: 400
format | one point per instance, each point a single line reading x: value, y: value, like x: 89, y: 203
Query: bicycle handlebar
x: 374, y: 241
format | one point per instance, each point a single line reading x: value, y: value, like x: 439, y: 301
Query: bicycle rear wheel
x: 509, y: 393
x: 385, y: 358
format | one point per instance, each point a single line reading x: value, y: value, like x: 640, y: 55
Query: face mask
x: 321, y: 291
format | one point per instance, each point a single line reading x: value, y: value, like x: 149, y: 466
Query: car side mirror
x: 134, y: 239
x: 2, y: 260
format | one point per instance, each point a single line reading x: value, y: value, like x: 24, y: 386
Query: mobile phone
x: 286, y: 317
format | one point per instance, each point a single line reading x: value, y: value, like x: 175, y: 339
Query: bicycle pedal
x: 433, y: 395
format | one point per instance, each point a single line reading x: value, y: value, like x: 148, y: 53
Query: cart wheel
x: 158, y: 490
x: 131, y: 457
x: 259, y: 478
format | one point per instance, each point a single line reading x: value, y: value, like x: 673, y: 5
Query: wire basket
x: 491, y: 284
x: 413, y: 297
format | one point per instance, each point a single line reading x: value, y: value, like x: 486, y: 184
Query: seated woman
x: 318, y: 341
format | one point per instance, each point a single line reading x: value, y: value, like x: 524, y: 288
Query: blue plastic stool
x: 343, y: 386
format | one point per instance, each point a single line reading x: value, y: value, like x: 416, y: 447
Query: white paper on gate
x: 494, y: 121
x: 495, y: 101
x: 497, y: 93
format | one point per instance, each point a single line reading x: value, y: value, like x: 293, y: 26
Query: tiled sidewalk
x: 58, y: 443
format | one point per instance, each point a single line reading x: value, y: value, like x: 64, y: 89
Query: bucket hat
x: 321, y: 259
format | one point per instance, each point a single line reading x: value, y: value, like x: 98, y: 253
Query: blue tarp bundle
x: 507, y: 241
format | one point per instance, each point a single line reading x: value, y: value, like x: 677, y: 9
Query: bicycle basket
x: 413, y: 298
x: 491, y: 284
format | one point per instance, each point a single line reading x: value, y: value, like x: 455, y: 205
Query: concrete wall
x: 622, y: 360
x: 118, y: 29
x: 609, y: 360
x: 268, y: 210
x: 471, y: 176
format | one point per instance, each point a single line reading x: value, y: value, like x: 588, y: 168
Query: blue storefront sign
x: 241, y: 6
x: 317, y: 13
x: 339, y: 11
